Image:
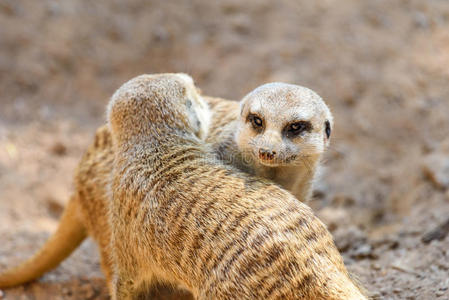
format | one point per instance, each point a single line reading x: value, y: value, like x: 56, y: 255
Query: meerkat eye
x: 255, y: 121
x: 297, y: 128
x: 327, y: 128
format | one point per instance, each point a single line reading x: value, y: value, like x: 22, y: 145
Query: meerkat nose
x: 266, y: 154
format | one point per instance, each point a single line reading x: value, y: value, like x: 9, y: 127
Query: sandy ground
x: 382, y: 66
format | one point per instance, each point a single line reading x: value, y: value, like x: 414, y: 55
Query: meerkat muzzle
x: 265, y: 154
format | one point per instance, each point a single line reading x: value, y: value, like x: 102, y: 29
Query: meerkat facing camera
x: 278, y: 131
x: 178, y: 217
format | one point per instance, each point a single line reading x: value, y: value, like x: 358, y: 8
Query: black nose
x: 266, y: 154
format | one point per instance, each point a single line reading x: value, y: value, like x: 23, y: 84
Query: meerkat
x: 278, y: 131
x: 178, y: 217
x: 235, y: 138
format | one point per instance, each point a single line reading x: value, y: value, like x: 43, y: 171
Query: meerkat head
x: 283, y: 124
x: 152, y: 104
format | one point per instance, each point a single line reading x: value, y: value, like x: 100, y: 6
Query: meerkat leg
x: 137, y: 289
x: 160, y: 289
x: 123, y: 288
x: 106, y: 266
x: 149, y: 290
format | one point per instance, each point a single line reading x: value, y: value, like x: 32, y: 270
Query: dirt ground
x: 382, y: 66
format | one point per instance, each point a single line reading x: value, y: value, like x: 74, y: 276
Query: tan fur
x: 179, y: 217
x: 91, y: 178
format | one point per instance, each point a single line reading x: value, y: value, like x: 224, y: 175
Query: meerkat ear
x: 186, y: 78
x: 327, y: 129
x: 194, y: 120
x: 242, y: 106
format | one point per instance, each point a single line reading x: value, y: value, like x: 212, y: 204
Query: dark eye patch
x: 296, y: 128
x: 327, y: 128
x: 256, y: 121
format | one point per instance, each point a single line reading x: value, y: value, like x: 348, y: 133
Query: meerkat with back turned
x: 235, y: 138
x: 179, y: 217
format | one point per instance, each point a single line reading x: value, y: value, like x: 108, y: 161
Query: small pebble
x: 59, y: 149
x: 363, y: 251
x: 421, y: 20
x: 436, y: 168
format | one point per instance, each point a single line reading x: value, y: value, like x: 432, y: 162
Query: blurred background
x: 382, y: 66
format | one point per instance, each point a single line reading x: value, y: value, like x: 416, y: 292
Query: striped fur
x: 219, y: 232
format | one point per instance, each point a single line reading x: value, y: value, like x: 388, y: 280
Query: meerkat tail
x: 69, y: 235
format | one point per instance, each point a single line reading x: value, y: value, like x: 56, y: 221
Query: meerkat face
x: 283, y: 124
